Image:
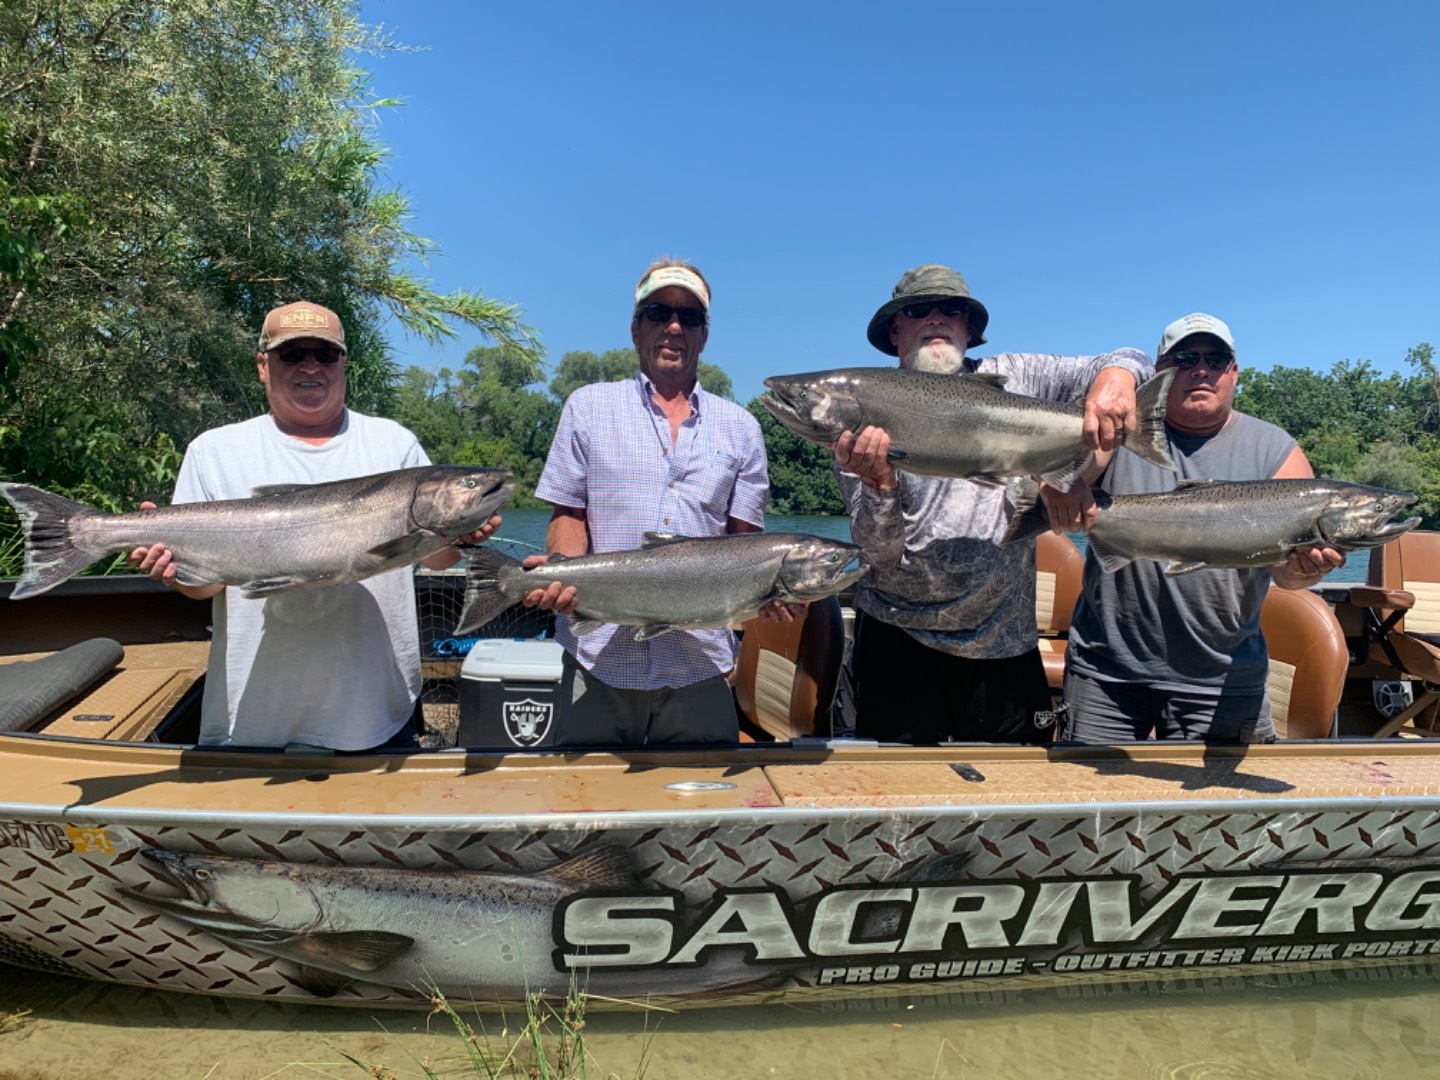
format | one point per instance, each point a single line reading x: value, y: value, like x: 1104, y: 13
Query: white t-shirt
x: 337, y: 666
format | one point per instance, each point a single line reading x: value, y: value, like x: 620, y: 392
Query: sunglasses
x: 663, y: 313
x: 294, y: 354
x: 949, y: 308
x: 1215, y: 361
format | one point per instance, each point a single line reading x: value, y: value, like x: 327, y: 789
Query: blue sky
x: 1094, y: 169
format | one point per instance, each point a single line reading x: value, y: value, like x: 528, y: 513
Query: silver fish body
x: 957, y: 425
x: 285, y: 537
x: 671, y: 583
x: 1206, y: 524
x: 473, y: 935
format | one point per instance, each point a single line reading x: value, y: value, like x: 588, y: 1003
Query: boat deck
x: 105, y: 777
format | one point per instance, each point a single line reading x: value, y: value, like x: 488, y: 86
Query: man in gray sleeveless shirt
x: 1183, y: 656
x: 945, y: 635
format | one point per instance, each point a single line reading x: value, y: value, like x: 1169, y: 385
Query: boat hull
x: 827, y: 874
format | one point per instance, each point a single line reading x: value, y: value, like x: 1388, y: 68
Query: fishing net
x: 440, y: 598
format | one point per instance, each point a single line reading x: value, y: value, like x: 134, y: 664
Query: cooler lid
x: 506, y: 658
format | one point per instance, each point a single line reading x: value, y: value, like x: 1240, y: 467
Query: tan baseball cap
x: 664, y: 276
x: 1195, y: 323
x: 301, y: 319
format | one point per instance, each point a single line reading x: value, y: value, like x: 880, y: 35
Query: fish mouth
x: 173, y: 867
x: 781, y: 407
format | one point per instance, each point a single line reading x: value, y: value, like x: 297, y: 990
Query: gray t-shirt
x: 1196, y: 632
x: 338, y: 666
x: 940, y: 573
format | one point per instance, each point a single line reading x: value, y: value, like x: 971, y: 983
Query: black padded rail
x: 32, y: 689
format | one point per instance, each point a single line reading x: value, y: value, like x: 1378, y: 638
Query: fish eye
x: 202, y: 875
x: 469, y: 481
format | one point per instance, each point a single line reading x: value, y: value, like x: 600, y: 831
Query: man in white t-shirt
x: 338, y: 667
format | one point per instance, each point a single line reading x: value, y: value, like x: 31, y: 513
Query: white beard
x: 939, y: 357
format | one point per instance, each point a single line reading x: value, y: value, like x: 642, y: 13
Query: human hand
x: 155, y: 560
x: 555, y: 596
x: 867, y: 455
x: 480, y: 535
x: 1110, y: 409
x: 1070, y: 511
x: 780, y: 611
x: 1314, y: 560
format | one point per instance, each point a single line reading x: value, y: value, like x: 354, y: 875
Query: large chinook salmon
x: 288, y: 536
x: 1204, y: 524
x: 672, y: 583
x: 959, y: 425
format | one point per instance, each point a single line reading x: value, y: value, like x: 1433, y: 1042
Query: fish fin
x: 1176, y: 567
x: 607, y: 866
x: 989, y: 378
x: 323, y: 983
x: 897, y: 453
x: 1149, y: 439
x: 398, y: 547
x: 484, y: 602
x: 1188, y: 485
x: 653, y: 630
x: 581, y: 627
x: 1064, y: 477
x: 263, y: 587
x: 359, y: 950
x: 1028, y: 518
x: 50, y: 555
x: 265, y: 490
x: 1109, y: 559
x: 187, y: 577
x: 660, y: 539
x: 985, y: 480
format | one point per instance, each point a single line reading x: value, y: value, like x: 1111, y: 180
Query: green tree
x: 802, y: 480
x: 170, y: 170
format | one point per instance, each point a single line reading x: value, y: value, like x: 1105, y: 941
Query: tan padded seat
x: 1058, y: 567
x: 788, y: 673
x: 1308, y: 656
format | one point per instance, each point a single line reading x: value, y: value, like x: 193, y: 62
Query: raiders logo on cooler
x: 527, y: 722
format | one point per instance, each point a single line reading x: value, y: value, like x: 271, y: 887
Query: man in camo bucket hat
x: 946, y: 605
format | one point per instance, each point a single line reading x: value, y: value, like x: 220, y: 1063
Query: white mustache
x: 941, y: 358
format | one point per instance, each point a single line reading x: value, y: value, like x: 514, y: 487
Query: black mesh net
x: 440, y: 597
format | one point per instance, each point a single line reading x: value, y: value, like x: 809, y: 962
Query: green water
x: 1357, y: 1023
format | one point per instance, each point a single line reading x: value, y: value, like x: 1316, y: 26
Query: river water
x: 528, y: 527
x: 1352, y: 1024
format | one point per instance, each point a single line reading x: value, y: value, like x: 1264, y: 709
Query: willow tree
x: 169, y: 171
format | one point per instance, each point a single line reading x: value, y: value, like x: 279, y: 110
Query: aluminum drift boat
x: 797, y: 871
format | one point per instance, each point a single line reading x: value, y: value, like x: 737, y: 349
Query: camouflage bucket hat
x: 929, y: 282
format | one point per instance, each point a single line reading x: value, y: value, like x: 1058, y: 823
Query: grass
x: 550, y: 1046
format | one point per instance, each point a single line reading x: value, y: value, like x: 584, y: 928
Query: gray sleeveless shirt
x: 1197, y: 632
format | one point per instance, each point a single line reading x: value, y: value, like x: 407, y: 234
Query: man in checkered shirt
x: 655, y: 453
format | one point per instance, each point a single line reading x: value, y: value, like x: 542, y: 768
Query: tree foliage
x: 169, y: 171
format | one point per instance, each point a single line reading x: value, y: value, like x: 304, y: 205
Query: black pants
x: 907, y: 692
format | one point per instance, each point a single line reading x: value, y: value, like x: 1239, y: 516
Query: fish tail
x: 51, y: 554
x: 1028, y: 518
x: 484, y: 599
x: 1150, y: 440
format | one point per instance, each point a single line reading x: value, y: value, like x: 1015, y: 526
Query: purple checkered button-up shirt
x: 612, y: 458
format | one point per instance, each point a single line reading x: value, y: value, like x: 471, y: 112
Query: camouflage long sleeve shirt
x: 940, y: 573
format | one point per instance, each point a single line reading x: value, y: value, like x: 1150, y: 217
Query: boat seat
x: 1058, y: 567
x: 787, y: 674
x: 1308, y: 657
x: 31, y: 690
x: 1398, y: 611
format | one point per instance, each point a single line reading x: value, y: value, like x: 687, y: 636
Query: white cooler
x: 509, y: 694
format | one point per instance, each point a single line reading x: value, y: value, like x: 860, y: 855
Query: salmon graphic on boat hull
x: 474, y: 935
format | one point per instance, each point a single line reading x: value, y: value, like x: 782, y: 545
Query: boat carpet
x: 32, y: 689
x: 136, y: 696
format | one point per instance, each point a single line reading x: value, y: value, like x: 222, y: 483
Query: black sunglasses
x: 294, y: 354
x: 1215, y: 361
x: 949, y: 308
x: 663, y: 313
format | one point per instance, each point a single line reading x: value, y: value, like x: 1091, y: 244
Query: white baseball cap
x: 1195, y: 323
